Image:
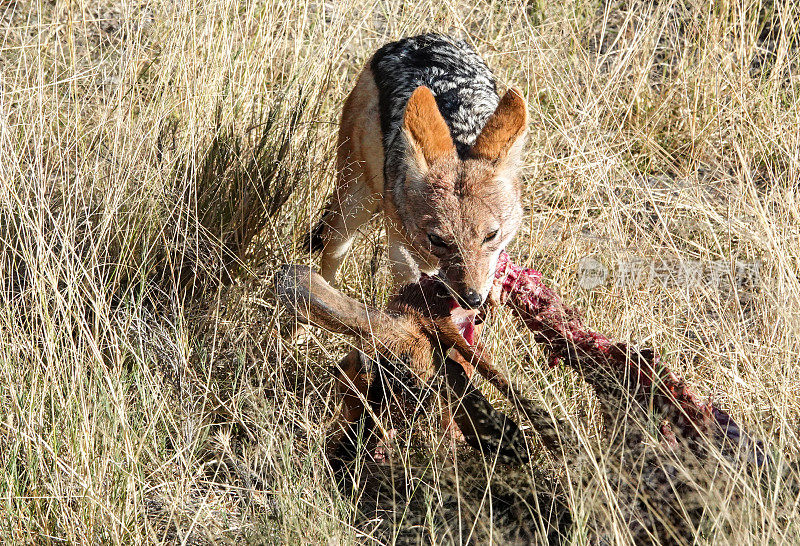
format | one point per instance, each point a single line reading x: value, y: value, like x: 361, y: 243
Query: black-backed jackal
x: 425, y: 138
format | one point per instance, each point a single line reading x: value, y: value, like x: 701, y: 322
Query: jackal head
x: 462, y: 210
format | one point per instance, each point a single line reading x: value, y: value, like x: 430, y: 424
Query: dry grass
x: 159, y: 159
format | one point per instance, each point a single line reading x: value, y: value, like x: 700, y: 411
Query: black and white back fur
x: 464, y: 88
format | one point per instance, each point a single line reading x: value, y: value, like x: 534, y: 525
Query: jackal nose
x: 472, y: 299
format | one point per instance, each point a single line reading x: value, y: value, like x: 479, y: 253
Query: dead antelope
x: 411, y: 344
x: 662, y: 478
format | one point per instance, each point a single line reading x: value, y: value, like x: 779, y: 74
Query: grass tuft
x: 159, y: 160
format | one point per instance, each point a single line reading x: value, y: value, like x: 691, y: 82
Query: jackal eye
x: 436, y: 240
x: 491, y: 236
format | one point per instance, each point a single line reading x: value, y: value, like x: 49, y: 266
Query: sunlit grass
x: 160, y: 159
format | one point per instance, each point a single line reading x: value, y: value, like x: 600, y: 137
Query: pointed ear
x: 425, y: 127
x: 504, y: 132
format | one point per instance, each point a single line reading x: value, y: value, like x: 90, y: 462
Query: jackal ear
x: 504, y: 133
x: 425, y: 127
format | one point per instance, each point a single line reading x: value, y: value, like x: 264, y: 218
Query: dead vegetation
x: 160, y: 160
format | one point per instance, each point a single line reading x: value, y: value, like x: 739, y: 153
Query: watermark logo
x: 723, y: 276
x: 591, y: 273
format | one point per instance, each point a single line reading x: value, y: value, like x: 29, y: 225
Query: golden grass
x: 146, y: 148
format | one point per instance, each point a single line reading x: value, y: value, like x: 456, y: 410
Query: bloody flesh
x: 611, y: 366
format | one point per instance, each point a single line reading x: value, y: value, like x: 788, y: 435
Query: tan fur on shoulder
x: 426, y: 127
x: 503, y: 129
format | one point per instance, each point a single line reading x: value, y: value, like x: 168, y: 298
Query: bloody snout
x: 465, y: 282
x: 470, y: 299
